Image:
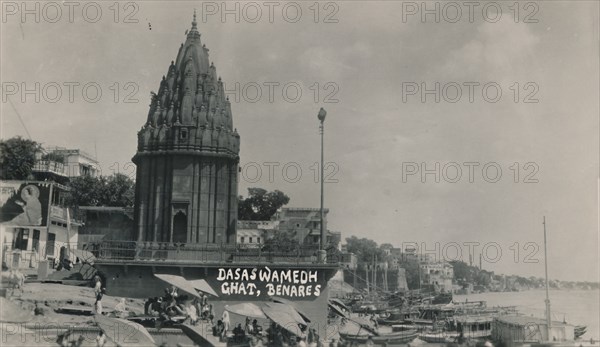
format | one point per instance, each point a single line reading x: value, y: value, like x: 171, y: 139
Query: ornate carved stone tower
x: 188, y: 154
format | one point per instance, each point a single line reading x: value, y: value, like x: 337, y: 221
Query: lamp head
x: 322, y: 114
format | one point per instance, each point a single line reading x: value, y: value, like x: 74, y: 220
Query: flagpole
x: 548, y: 314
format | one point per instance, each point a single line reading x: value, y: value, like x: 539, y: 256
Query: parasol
x: 204, y: 287
x: 289, y: 310
x: 283, y: 319
x: 123, y: 332
x: 179, y: 282
x: 247, y: 310
x: 291, y: 304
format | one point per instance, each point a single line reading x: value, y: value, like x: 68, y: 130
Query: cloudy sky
x: 374, y: 67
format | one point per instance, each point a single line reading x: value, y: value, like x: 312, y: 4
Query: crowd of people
x: 174, y: 307
x: 252, y: 332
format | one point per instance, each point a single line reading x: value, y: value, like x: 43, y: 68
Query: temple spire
x: 194, y: 23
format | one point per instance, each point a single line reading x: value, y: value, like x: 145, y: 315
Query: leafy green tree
x: 117, y: 190
x: 282, y: 241
x: 260, y: 204
x: 84, y: 191
x: 17, y: 157
x: 365, y: 249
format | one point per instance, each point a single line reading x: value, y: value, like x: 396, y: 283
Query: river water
x: 577, y: 307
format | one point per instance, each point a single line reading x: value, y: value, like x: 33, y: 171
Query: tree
x: 84, y: 191
x: 260, y: 204
x: 282, y: 241
x: 117, y: 190
x: 365, y: 249
x: 17, y: 157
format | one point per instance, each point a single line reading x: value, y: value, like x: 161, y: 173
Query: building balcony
x: 59, y: 214
x: 50, y: 166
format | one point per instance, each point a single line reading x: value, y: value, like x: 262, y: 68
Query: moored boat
x: 382, y: 339
x: 438, y: 337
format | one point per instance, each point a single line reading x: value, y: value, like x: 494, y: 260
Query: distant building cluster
x: 301, y: 224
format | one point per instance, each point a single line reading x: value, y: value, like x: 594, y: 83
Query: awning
x: 290, y: 303
x: 204, y: 287
x: 246, y: 309
x: 283, y: 319
x: 289, y: 310
x: 123, y: 332
x: 179, y: 282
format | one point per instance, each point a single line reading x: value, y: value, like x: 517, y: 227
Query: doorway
x: 180, y: 227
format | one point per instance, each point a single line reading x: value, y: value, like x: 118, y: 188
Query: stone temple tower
x: 188, y: 154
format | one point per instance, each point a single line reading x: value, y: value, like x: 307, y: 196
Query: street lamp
x: 321, y: 116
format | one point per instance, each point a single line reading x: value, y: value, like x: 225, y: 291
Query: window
x: 242, y: 239
x: 258, y: 240
x: 50, y: 244
x: 35, y: 243
x: 250, y: 241
x: 22, y: 239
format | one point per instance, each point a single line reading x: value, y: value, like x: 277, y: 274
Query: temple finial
x: 194, y: 23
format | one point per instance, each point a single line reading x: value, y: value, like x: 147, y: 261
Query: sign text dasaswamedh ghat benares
x: 280, y: 282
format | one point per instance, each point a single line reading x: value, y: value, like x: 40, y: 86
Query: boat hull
x: 438, y: 337
x: 393, y: 338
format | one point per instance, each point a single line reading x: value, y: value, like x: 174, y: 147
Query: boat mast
x: 548, y: 315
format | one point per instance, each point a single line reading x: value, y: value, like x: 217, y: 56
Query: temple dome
x: 190, y: 96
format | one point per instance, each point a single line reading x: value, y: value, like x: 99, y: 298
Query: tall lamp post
x: 322, y: 252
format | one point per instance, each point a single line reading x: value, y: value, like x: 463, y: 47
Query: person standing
x: 100, y: 339
x: 226, y: 322
x: 97, y: 285
x: 98, y: 304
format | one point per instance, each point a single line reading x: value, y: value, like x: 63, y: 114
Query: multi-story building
x: 305, y: 225
x: 75, y: 162
x: 255, y: 233
x: 35, y: 223
x: 437, y: 274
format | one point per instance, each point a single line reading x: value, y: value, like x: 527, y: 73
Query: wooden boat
x: 399, y: 317
x: 438, y: 337
x: 391, y: 338
x: 474, y: 327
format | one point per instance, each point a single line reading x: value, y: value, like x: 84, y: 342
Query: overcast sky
x: 378, y: 129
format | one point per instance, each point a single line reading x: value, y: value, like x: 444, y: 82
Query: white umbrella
x: 179, y: 282
x: 246, y: 309
x: 123, y: 332
x: 283, y: 319
x: 289, y: 310
x: 291, y: 304
x: 204, y: 287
